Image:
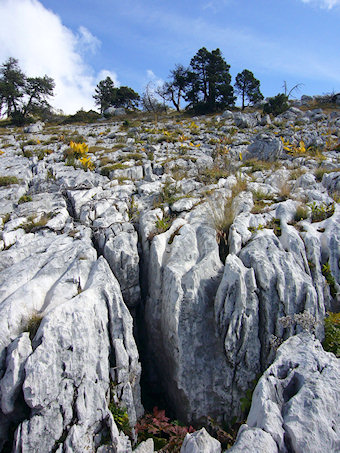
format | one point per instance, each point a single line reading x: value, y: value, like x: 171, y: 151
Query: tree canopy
x: 248, y: 87
x: 205, y: 84
x: 21, y: 95
x: 209, y: 87
x: 107, y: 95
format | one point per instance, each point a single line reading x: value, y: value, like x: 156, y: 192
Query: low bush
x: 277, y: 104
x: 321, y: 211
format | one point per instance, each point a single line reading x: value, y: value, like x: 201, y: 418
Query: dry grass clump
x: 261, y: 165
x: 223, y: 216
x: 33, y: 323
x: 301, y: 213
x: 8, y: 180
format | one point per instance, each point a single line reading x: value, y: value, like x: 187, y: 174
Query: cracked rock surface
x: 206, y: 242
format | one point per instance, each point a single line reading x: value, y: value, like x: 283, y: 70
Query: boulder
x: 114, y: 111
x: 200, y: 442
x: 265, y: 147
x: 246, y: 120
x: 295, y: 405
x: 34, y: 128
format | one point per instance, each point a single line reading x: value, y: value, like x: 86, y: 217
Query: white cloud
x: 105, y: 73
x: 43, y: 45
x: 326, y: 4
x: 151, y: 77
x: 86, y: 40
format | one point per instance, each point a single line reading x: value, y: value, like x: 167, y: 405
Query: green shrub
x: 275, y: 224
x: 121, y: 418
x: 331, y: 342
x: 276, y: 105
x: 223, y: 216
x: 321, y: 211
x: 82, y: 117
x: 24, y: 199
x: 163, y: 224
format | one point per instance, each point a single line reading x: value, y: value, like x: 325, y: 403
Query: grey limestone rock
x: 296, y: 402
x: 265, y: 147
x: 34, y: 128
x: 84, y: 342
x: 184, y: 272
x: 145, y: 447
x: 200, y: 442
x: 246, y: 120
x: 122, y: 255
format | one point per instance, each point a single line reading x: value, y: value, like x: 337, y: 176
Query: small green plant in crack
x: 327, y: 273
x: 275, y: 225
x: 321, y: 211
x: 33, y: 224
x: 133, y: 212
x: 24, y: 199
x: 121, y: 418
x: 163, y: 224
x: 254, y: 229
x: 331, y: 342
x: 245, y: 401
x: 174, y: 234
x: 5, y: 218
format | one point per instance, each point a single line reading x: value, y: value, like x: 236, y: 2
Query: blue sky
x: 79, y: 42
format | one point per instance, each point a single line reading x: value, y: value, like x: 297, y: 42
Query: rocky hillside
x: 183, y: 250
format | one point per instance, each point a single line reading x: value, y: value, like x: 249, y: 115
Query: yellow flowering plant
x: 79, y: 151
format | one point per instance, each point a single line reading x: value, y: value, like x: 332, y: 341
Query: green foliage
x: 167, y: 435
x: 106, y: 95
x: 163, y: 224
x: 248, y: 87
x: 105, y: 171
x: 133, y: 212
x: 8, y: 180
x: 24, y: 199
x: 327, y: 273
x: 277, y: 104
x: 331, y: 342
x: 121, y: 418
x: 275, y: 224
x: 33, y: 224
x: 321, y: 211
x: 23, y: 95
x: 223, y: 216
x: 254, y: 229
x: 208, y: 87
x: 82, y: 117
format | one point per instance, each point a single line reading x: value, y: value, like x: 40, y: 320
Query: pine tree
x: 248, y: 87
